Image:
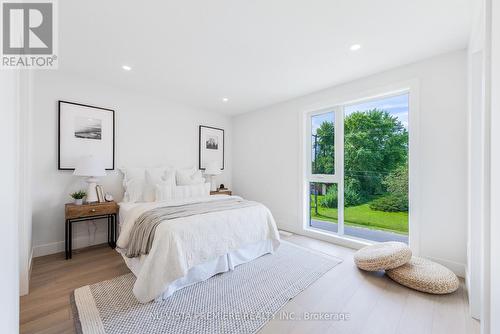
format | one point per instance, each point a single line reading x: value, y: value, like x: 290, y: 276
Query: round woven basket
x: 426, y: 276
x: 382, y: 256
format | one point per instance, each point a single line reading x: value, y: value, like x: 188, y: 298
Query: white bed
x: 192, y: 249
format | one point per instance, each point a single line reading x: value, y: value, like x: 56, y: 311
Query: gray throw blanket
x: 143, y: 231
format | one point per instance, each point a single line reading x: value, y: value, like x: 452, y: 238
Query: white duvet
x: 183, y: 243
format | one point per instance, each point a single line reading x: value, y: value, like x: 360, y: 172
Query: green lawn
x: 362, y: 215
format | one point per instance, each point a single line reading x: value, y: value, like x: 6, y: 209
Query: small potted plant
x: 78, y: 196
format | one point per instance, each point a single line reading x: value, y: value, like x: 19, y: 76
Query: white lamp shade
x: 212, y: 168
x: 89, y: 166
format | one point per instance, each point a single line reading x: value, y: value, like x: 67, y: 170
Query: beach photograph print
x: 88, y: 128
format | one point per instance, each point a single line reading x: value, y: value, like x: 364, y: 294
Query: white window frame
x: 412, y: 88
x: 328, y: 178
x: 338, y: 176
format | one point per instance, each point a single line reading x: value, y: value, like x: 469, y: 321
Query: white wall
x: 268, y: 165
x: 24, y: 144
x: 484, y: 251
x: 478, y: 178
x: 494, y: 244
x: 9, y: 279
x: 149, y: 132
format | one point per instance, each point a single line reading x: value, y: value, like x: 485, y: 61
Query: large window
x: 358, y: 175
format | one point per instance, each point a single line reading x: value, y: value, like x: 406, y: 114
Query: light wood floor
x: 374, y: 303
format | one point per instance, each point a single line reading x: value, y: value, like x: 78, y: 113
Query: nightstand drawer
x: 89, y: 210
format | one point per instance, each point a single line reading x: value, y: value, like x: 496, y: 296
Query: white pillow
x: 153, y: 177
x: 134, y: 190
x: 133, y: 183
x: 139, y: 183
x: 188, y: 177
x: 191, y: 191
x: 132, y: 174
x: 164, y: 191
x: 169, y: 176
x: 190, y: 170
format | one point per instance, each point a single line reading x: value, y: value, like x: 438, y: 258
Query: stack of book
x: 100, y: 193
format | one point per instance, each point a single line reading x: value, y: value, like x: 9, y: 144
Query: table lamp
x: 91, y: 167
x: 212, y: 170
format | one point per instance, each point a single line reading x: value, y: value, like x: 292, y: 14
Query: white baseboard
x: 24, y: 281
x: 47, y: 249
x: 31, y: 263
x: 78, y: 242
x: 467, y: 280
x: 285, y: 234
x: 457, y: 268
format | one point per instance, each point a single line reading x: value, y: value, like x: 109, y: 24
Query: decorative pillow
x: 139, y: 183
x: 189, y: 177
x: 167, y: 191
x: 164, y: 191
x: 155, y: 176
x: 134, y: 190
x: 135, y: 178
x: 133, y: 173
x: 169, y: 176
x: 191, y: 191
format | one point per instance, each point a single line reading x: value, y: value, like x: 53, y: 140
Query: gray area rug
x: 239, y: 301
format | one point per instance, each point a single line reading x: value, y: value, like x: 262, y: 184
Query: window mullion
x: 323, y: 178
x: 339, y: 165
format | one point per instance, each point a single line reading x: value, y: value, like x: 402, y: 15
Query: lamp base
x: 213, y: 185
x: 91, y: 190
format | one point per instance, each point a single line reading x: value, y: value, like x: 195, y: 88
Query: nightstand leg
x: 113, y: 226
x: 109, y: 231
x: 66, y: 238
x: 70, y: 237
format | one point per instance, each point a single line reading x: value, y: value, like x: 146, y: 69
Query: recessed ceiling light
x: 355, y: 47
x: 225, y: 99
x: 126, y: 68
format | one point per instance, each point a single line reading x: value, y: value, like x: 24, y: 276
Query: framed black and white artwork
x: 211, y: 146
x: 85, y: 130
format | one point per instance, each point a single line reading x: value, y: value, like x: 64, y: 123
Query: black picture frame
x: 59, y: 103
x: 200, y: 148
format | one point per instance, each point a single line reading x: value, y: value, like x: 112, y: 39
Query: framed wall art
x: 211, y: 146
x: 85, y: 130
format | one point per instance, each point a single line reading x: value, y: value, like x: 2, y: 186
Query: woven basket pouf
x: 426, y: 276
x: 382, y: 256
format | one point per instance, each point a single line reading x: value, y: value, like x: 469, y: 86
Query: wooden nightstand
x: 221, y: 192
x: 77, y: 213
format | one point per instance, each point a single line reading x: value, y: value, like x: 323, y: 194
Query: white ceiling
x: 255, y: 52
